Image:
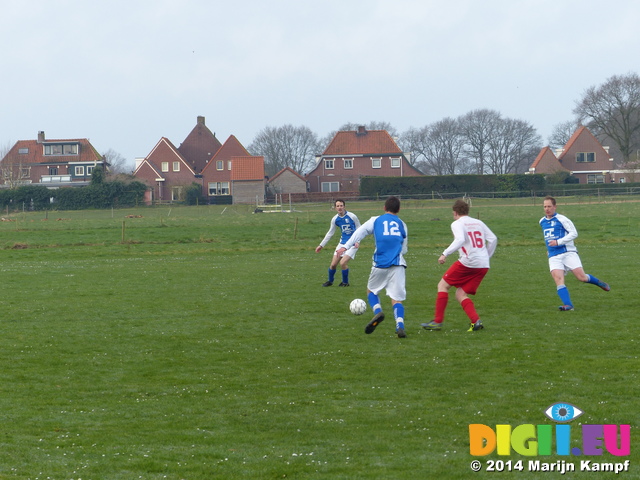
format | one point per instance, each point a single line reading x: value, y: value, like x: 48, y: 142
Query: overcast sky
x: 126, y: 73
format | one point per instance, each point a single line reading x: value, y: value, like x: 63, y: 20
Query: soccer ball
x: 358, y: 306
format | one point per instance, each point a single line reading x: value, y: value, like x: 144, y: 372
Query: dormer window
x: 61, y: 149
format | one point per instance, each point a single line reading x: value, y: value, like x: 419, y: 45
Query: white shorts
x: 565, y: 261
x: 351, y: 252
x: 392, y: 279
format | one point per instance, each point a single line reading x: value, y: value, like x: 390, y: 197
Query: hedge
x: 507, y: 185
x: 101, y: 195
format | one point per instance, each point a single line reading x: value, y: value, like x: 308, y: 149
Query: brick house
x: 51, y: 163
x: 355, y: 154
x: 233, y: 175
x: 166, y: 172
x: 584, y: 157
x: 203, y: 160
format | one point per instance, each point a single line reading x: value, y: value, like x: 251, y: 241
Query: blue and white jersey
x: 390, y: 235
x: 347, y: 225
x: 561, y: 229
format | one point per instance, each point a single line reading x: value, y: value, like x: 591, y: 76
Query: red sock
x: 441, y: 306
x: 470, y: 310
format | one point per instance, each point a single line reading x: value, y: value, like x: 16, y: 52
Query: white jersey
x: 473, y: 240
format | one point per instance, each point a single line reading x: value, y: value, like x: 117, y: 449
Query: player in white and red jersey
x: 475, y: 243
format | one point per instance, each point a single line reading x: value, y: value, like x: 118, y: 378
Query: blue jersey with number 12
x: 390, y: 234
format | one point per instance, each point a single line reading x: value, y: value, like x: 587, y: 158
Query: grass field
x: 197, y: 343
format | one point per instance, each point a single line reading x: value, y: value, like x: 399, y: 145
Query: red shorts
x: 468, y: 279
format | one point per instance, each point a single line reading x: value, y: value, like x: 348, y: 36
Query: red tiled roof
x: 35, y: 152
x: 231, y: 148
x: 287, y: 169
x: 247, y: 168
x: 362, y: 142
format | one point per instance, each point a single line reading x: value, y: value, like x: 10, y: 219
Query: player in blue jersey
x: 559, y: 234
x: 346, y: 223
x: 388, y: 271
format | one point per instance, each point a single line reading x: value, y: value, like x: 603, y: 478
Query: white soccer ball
x: 358, y: 306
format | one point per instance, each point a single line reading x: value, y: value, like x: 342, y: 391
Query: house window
x: 218, y: 188
x: 53, y: 149
x: 23, y: 151
x: 585, y: 157
x: 70, y: 149
x: 376, y: 163
x: 61, y: 149
x: 229, y: 165
x: 595, y: 178
x: 79, y: 171
x: 176, y: 166
x: 219, y: 165
x: 348, y: 163
x: 328, y: 164
x: 53, y: 170
x: 176, y: 193
x: 330, y: 187
x: 395, y: 162
x: 165, y: 166
x: 25, y: 172
x: 90, y: 170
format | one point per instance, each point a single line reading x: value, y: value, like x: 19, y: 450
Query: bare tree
x: 443, y: 148
x: 513, y: 147
x: 286, y: 146
x: 117, y: 162
x: 478, y: 128
x: 561, y: 133
x: 613, y: 109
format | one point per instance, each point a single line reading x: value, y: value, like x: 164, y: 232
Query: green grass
x: 202, y: 346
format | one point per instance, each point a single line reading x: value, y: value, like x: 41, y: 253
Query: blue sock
x: 374, y: 302
x: 594, y: 280
x: 332, y: 274
x: 345, y: 276
x: 563, y: 293
x: 398, y: 313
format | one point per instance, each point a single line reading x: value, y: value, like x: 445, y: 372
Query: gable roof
x: 199, y: 146
x: 546, y: 162
x: 231, y: 148
x: 247, y: 168
x: 164, y: 151
x: 290, y: 170
x: 362, y: 142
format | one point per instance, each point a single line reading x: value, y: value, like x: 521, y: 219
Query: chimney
x: 200, y: 120
x: 361, y: 130
x: 41, y: 136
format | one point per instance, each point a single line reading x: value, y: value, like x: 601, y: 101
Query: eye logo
x: 563, y: 412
